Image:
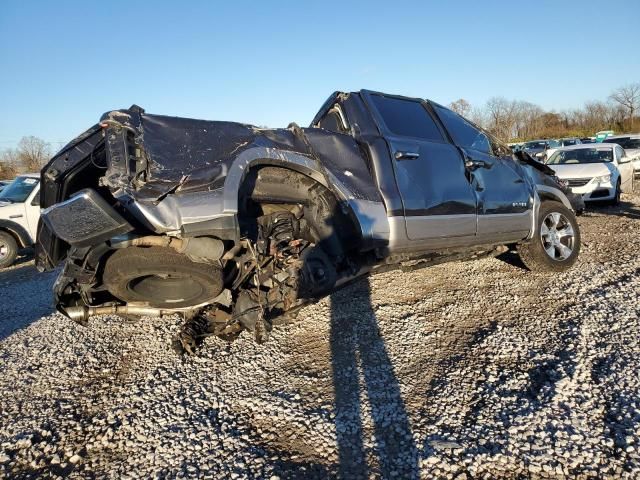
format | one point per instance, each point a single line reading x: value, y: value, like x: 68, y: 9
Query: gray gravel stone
x: 464, y: 370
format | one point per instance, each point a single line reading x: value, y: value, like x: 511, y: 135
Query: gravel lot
x: 465, y: 370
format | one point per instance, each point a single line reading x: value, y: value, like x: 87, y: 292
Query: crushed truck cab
x: 236, y: 226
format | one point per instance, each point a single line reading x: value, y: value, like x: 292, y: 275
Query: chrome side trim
x: 437, y: 230
x: 504, y: 223
x: 438, y: 226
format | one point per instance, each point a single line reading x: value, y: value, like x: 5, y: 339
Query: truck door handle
x: 406, y: 155
x: 475, y: 164
x: 15, y: 216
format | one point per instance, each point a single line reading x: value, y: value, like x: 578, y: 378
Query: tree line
x: 509, y: 120
x: 31, y: 154
x: 517, y: 120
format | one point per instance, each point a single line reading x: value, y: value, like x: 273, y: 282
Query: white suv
x: 19, y: 214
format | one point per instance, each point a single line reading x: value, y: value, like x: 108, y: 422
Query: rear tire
x: 8, y: 249
x: 161, y: 277
x: 555, y: 244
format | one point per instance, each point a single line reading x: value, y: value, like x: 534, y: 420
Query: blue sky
x: 64, y: 63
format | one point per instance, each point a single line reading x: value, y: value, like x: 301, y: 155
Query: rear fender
x: 371, y: 217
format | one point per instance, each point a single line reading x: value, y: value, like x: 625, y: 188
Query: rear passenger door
x: 438, y: 201
x: 505, y: 202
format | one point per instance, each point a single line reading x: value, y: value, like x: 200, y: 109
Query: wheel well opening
x: 324, y: 220
x: 21, y: 243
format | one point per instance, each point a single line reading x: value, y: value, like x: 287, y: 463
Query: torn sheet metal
x: 184, y: 155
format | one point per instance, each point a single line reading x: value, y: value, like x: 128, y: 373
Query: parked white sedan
x: 598, y: 172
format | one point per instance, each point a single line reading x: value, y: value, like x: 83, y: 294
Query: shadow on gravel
x: 513, y: 259
x: 25, y: 297
x: 360, y: 360
x: 624, y: 209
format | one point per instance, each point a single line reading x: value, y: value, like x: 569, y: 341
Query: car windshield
x: 18, y: 190
x: 535, y: 144
x: 581, y: 155
x: 568, y: 141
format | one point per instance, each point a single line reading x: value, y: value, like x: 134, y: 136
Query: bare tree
x: 520, y: 120
x: 629, y: 98
x: 33, y: 153
x: 477, y: 116
x: 461, y: 107
x: 527, y: 120
x: 8, y: 164
x: 501, y: 117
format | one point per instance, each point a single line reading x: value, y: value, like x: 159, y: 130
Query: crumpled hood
x: 582, y: 170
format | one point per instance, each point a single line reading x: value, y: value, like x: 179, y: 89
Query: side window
x: 634, y: 143
x: 407, y: 118
x: 464, y: 134
x: 333, y: 121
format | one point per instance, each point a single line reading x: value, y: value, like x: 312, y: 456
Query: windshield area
x: 569, y: 141
x: 18, y: 191
x: 532, y: 145
x: 582, y: 155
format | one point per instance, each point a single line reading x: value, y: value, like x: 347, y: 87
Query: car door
x: 625, y: 167
x: 505, y: 200
x: 438, y: 201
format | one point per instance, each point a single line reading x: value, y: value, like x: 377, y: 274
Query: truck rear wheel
x: 555, y: 244
x: 161, y: 277
x: 8, y: 249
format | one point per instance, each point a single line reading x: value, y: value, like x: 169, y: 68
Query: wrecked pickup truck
x: 236, y: 227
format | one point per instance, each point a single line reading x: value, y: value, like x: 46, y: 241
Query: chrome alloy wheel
x: 557, y: 235
x: 4, y: 250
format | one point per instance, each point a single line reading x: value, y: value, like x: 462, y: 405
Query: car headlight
x: 602, y: 179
